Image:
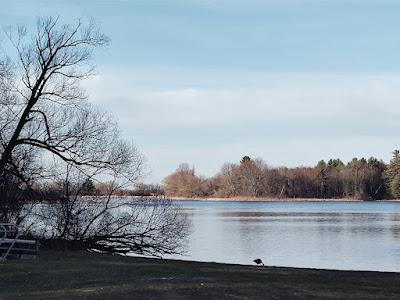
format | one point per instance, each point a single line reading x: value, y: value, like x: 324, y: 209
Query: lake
x: 329, y: 235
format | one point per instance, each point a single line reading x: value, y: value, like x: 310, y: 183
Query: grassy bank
x: 91, y: 276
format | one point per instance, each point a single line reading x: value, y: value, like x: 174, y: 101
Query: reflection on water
x: 334, y: 235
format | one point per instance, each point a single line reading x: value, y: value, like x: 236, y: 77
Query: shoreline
x: 268, y: 199
x: 82, y: 275
x: 267, y: 266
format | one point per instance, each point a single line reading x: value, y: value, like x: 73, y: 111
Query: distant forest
x: 367, y: 179
x: 364, y: 179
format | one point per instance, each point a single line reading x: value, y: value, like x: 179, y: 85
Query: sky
x: 207, y: 82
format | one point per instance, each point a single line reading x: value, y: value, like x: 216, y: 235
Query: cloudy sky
x: 207, y: 82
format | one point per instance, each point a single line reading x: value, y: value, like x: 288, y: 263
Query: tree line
x: 366, y: 179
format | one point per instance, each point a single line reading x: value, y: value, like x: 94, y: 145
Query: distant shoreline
x: 258, y: 199
x: 268, y: 199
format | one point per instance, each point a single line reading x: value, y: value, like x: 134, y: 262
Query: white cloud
x: 212, y: 116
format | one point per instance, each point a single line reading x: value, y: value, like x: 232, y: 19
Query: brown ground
x: 56, y: 275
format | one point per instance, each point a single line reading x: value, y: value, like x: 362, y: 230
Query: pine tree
x: 393, y: 174
x: 395, y: 186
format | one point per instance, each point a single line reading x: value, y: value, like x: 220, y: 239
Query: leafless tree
x: 150, y: 226
x: 251, y: 177
x: 228, y: 181
x: 50, y: 133
x: 183, y: 182
x: 44, y: 112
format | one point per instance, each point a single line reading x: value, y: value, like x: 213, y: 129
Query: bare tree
x: 251, y: 176
x: 49, y: 132
x: 228, y: 181
x: 44, y: 112
x: 183, y: 182
x: 150, y: 226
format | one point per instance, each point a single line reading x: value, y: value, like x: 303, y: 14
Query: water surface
x: 331, y: 235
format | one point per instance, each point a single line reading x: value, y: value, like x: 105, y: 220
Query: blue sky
x: 206, y: 82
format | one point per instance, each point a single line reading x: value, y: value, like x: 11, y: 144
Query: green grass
x: 80, y: 275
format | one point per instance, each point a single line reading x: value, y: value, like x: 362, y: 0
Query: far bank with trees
x: 358, y: 179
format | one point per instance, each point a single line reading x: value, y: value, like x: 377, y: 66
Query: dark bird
x: 259, y: 262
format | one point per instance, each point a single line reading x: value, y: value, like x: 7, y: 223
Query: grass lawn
x: 80, y: 275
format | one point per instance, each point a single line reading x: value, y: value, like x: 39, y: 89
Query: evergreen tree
x: 395, y: 186
x: 322, y: 178
x: 335, y: 163
x: 393, y: 174
x: 245, y: 159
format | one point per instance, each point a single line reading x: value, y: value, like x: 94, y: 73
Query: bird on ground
x: 259, y: 262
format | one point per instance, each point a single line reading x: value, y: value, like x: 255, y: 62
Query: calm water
x: 332, y: 235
